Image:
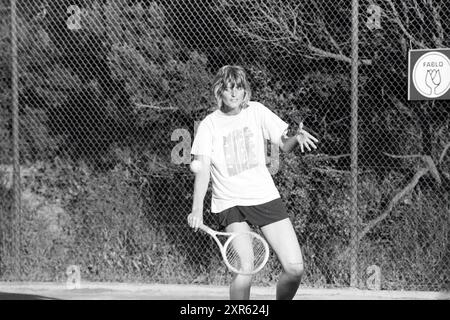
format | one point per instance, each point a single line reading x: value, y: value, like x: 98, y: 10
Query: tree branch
x: 330, y: 171
x: 370, y: 225
x: 427, y: 159
x: 153, y: 107
x: 440, y: 30
x: 431, y: 167
x: 285, y: 28
x: 409, y: 187
x: 398, y: 21
x: 335, y: 56
x: 326, y: 157
x: 444, y: 152
x: 323, y: 27
x: 419, y: 12
x: 409, y: 156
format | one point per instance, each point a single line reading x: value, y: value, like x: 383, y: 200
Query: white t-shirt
x: 235, y: 144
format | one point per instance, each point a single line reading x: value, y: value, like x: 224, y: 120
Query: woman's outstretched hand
x: 305, y: 139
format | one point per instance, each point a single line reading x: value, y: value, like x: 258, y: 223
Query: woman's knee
x: 294, y: 269
x: 242, y: 279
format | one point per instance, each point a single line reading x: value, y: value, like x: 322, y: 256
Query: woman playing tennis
x: 229, y: 143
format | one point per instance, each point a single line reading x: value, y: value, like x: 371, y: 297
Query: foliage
x: 5, y: 94
x: 94, y: 88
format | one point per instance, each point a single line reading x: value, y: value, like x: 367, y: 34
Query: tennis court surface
x: 136, y: 291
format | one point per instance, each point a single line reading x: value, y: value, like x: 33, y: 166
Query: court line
x: 141, y: 291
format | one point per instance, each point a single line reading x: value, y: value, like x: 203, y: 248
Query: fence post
x: 354, y: 148
x: 16, y: 221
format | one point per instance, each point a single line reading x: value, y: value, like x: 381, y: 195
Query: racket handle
x: 206, y: 229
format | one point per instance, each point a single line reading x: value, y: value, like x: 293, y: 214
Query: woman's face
x: 233, y: 96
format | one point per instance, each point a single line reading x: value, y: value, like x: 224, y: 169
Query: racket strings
x: 246, y: 252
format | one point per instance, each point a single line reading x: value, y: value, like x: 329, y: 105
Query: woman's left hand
x: 305, y: 139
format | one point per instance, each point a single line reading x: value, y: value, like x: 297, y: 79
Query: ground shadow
x: 21, y: 296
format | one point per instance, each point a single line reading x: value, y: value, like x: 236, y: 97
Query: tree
x: 93, y: 67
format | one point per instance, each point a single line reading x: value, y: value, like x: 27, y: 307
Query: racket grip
x: 206, y: 228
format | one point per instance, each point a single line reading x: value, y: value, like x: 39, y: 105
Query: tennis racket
x: 243, y: 252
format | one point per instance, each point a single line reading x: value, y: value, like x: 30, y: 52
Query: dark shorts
x: 259, y: 215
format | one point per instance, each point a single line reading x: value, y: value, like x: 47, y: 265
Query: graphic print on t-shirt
x: 240, y: 151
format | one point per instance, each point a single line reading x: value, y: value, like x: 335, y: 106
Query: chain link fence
x: 111, y: 92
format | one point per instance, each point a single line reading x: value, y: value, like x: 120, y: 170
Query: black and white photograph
x: 224, y: 154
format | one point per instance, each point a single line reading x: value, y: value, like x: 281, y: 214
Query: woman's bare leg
x: 283, y: 240
x: 240, y: 284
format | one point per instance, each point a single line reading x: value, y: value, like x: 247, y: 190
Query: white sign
x: 430, y: 75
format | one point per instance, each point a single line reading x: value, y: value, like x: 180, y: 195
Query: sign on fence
x: 429, y: 74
